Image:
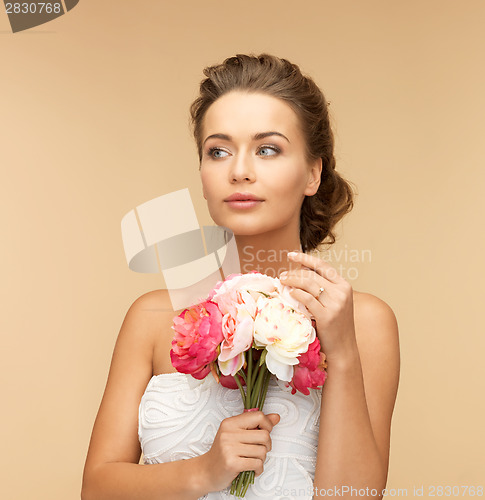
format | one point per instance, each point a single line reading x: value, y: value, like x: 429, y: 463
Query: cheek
x: 289, y: 185
x: 212, y: 190
x: 207, y: 183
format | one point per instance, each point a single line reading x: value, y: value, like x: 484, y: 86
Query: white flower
x: 285, y: 331
x: 251, y: 281
x: 284, y: 292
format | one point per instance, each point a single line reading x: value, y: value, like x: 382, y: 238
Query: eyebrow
x: 256, y: 137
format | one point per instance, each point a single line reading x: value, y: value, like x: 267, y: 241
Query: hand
x: 241, y: 443
x: 333, y: 309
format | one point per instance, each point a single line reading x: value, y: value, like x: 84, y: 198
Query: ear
x: 314, y: 177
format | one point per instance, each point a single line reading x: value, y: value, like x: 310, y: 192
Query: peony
x: 309, y: 373
x: 238, y: 336
x: 284, y: 293
x: 197, y: 337
x: 251, y: 281
x: 285, y: 332
x: 239, y: 309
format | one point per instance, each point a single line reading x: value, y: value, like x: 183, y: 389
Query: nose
x: 242, y: 169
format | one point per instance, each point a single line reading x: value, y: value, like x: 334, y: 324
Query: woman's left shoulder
x: 374, y: 318
x: 366, y: 302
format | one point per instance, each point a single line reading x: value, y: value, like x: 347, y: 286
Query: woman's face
x: 237, y: 158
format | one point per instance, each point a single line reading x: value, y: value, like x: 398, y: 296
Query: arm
x: 357, y: 404
x: 112, y: 469
x: 361, y: 344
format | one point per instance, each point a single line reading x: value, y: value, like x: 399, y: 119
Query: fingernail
x: 284, y: 274
x: 292, y: 254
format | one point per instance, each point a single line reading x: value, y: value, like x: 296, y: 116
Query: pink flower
x: 198, y: 333
x: 239, y: 309
x: 310, y: 372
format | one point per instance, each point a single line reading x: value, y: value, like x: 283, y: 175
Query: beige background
x: 94, y: 121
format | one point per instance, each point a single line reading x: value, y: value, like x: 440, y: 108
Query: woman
x: 262, y: 130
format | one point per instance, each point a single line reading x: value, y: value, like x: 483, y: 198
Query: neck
x: 267, y: 252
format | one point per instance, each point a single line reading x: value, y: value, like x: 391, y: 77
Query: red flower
x: 198, y: 334
x: 310, y: 372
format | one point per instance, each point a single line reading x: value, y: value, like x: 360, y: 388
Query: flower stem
x: 255, y: 393
x: 257, y: 381
x: 241, y: 483
x: 267, y: 376
x: 249, y: 378
x: 255, y: 374
x: 236, y: 378
x: 250, y: 480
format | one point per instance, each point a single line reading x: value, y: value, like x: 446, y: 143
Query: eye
x: 211, y: 152
x: 275, y: 150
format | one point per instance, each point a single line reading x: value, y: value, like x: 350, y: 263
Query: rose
x: 310, y: 372
x: 197, y: 336
x: 285, y: 332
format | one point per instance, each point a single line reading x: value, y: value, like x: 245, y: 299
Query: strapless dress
x: 179, y: 417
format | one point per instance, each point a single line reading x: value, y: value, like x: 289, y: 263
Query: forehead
x: 240, y: 113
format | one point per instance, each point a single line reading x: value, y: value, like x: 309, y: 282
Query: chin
x: 246, y: 227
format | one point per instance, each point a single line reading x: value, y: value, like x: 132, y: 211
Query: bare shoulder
x: 147, y: 317
x: 156, y: 312
x: 376, y: 329
x: 154, y: 301
x: 373, y: 316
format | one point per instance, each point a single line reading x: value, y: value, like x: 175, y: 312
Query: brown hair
x: 280, y: 78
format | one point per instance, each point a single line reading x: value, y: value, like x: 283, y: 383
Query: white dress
x: 179, y: 417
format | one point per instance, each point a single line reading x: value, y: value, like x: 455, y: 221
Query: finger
x: 252, y: 451
x: 304, y: 271
x: 254, y: 419
x: 308, y: 300
x: 255, y: 464
x: 274, y: 417
x: 307, y: 282
x: 255, y: 437
x: 323, y: 268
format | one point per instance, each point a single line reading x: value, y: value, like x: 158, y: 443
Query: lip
x: 244, y: 203
x: 243, y: 197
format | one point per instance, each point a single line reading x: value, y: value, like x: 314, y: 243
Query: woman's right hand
x: 241, y: 444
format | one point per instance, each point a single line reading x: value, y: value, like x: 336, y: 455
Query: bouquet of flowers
x: 248, y: 328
